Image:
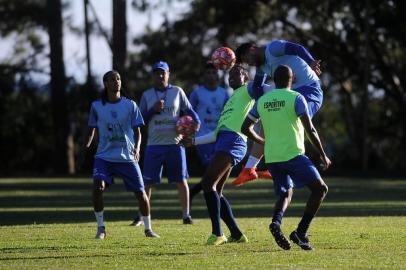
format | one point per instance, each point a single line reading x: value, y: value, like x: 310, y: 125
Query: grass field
x: 49, y: 224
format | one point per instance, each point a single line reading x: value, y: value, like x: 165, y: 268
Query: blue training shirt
x: 281, y: 52
x: 115, y: 123
x: 161, y: 126
x: 208, y: 104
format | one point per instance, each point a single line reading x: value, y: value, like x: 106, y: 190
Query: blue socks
x: 227, y: 216
x: 304, y: 223
x: 219, y: 207
x: 277, y: 217
x: 213, y: 206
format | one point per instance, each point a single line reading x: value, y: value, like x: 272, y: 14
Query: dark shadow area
x: 69, y: 200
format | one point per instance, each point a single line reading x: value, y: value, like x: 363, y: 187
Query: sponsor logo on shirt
x: 170, y: 110
x: 165, y: 122
x: 116, y: 132
x: 274, y: 105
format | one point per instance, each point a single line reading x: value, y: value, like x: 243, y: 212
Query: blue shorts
x: 129, y: 171
x: 205, y: 152
x: 172, y: 157
x: 313, y: 95
x: 295, y: 173
x: 231, y: 143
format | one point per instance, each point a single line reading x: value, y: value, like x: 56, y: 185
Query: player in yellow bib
x: 285, y: 119
x: 230, y: 149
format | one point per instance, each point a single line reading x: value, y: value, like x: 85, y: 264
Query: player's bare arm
x: 247, y: 129
x: 89, y: 136
x: 316, y: 67
x: 315, y: 140
x: 137, y: 145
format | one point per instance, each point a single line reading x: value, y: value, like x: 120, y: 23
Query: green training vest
x: 283, y: 130
x: 235, y: 110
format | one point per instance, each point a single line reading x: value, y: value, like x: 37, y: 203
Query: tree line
x: 361, y: 43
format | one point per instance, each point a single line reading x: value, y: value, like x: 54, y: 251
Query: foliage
x: 26, y: 132
x: 335, y: 32
x: 361, y: 43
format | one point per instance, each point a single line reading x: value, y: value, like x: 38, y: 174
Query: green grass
x: 49, y: 224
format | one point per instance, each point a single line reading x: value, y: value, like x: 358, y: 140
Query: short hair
x: 243, y: 49
x: 243, y: 69
x: 109, y: 73
x: 282, y: 76
x: 104, y: 93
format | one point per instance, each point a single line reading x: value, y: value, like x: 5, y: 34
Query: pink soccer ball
x: 223, y: 58
x: 185, y: 126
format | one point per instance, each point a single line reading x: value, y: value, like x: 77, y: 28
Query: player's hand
x: 326, y: 162
x: 197, y: 127
x: 316, y: 66
x: 186, y: 141
x: 159, y: 106
x: 136, y: 153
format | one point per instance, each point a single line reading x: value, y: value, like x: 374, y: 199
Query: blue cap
x: 160, y: 65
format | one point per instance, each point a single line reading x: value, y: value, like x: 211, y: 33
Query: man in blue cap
x: 160, y: 107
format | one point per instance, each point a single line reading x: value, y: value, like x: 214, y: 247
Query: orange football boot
x: 264, y: 174
x: 246, y: 175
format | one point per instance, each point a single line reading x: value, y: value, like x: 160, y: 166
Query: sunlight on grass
x: 355, y: 230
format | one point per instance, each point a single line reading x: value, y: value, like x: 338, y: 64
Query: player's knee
x: 141, y: 196
x: 287, y: 195
x: 99, y: 186
x: 207, y: 185
x: 324, y: 189
x: 182, y: 184
x: 319, y: 188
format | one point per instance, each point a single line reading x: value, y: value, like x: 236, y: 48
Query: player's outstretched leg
x: 249, y: 172
x: 264, y: 174
x: 246, y: 175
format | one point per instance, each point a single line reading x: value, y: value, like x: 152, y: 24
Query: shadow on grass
x: 68, y: 201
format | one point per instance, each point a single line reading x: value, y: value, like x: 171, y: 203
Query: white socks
x: 99, y: 218
x: 147, y: 222
x: 100, y: 222
x: 252, y: 162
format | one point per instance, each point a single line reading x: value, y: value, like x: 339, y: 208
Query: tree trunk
x: 58, y: 85
x: 89, y: 82
x: 120, y: 39
x: 365, y: 95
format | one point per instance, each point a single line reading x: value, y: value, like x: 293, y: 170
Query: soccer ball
x: 223, y: 58
x: 185, y: 126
